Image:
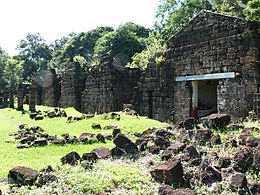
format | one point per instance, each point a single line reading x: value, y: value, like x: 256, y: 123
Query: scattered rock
x: 208, y: 173
x: 115, y: 132
x: 90, y: 157
x: 243, y: 160
x: 224, y: 162
x: 162, y: 143
x: 203, y: 136
x: 71, y: 158
x: 96, y: 126
x: 40, y: 142
x: 39, y: 117
x: 218, y: 121
x: 191, y: 152
x: 215, y: 140
x: 252, y: 141
x: 51, y: 114
x: 163, y: 133
x: 256, y: 159
x: 237, y: 181
x: 47, y: 169
x: 188, y: 123
x: 22, y: 176
x: 117, y: 152
x: 154, y: 149
x: 124, y: 143
x: 45, y: 179
x: 83, y: 137
x: 112, y: 126
x: 168, y: 172
x: 254, y: 188
x: 101, y: 138
x: 102, y: 153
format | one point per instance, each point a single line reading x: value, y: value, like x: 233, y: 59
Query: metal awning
x: 213, y: 76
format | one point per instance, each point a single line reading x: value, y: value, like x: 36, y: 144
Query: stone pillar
x: 11, y: 99
x: 20, y: 99
x: 195, y: 99
x: 32, y: 98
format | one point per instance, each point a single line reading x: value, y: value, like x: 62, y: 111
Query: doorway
x: 207, y: 97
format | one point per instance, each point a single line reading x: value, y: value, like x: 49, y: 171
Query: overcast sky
x: 56, y: 18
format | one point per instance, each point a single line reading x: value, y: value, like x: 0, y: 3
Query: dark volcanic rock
x: 115, y: 132
x: 224, y: 162
x: 254, y: 188
x: 154, y: 149
x: 237, y: 180
x: 188, y: 123
x: 162, y: 143
x: 101, y: 138
x: 168, y: 190
x: 22, y: 176
x: 90, y: 157
x: 218, y: 121
x: 124, y: 143
x: 203, y: 135
x: 243, y: 160
x: 256, y: 159
x: 215, y: 140
x: 191, y: 152
x: 45, y: 179
x: 168, y: 172
x: 96, y: 126
x: 71, y: 158
x: 102, y: 153
x: 117, y: 152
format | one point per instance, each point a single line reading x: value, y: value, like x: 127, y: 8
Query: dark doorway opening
x: 207, y: 97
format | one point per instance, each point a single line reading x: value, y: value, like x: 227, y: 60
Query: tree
x: 3, y: 59
x: 122, y: 44
x: 154, y: 44
x: 82, y: 45
x: 35, y: 53
x: 252, y: 10
x: 173, y: 15
x: 13, y: 72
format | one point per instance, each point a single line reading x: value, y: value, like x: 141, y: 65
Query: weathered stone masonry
x: 211, y: 65
x: 108, y: 88
x: 211, y: 43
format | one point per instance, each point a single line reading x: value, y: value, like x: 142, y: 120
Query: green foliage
x: 173, y: 15
x: 252, y: 10
x: 154, y: 45
x: 81, y: 45
x: 13, y: 72
x: 35, y: 53
x: 127, y: 40
x: 3, y: 59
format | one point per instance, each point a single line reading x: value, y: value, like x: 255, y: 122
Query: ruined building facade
x: 211, y: 65
x: 215, y: 65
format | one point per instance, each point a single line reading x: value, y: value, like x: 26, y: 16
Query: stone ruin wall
x: 72, y: 85
x: 108, y: 88
x: 215, y: 43
x: 154, y: 94
x: 51, y: 92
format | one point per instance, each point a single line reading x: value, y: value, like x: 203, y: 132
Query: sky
x: 53, y: 19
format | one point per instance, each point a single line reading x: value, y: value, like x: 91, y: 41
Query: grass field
x: 39, y: 157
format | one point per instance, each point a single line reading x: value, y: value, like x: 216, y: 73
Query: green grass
x: 39, y: 157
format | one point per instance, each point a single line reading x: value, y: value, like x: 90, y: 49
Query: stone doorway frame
x: 195, y: 80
